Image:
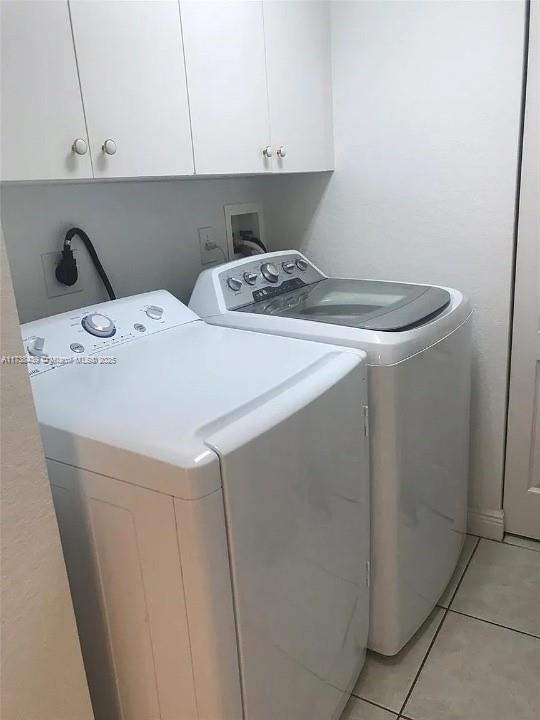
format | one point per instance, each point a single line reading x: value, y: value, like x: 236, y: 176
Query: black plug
x: 66, y: 270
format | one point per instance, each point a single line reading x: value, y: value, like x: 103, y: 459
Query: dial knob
x: 288, y: 267
x: 109, y: 147
x: 98, y: 325
x: 79, y: 146
x: 282, y: 151
x: 268, y: 151
x: 35, y: 347
x: 301, y: 264
x: 270, y: 272
x: 154, y: 312
x: 234, y: 283
x: 250, y: 278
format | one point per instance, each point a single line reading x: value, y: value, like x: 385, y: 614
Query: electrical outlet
x: 49, y: 261
x: 211, y: 252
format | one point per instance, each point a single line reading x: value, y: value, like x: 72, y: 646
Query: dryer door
x: 297, y: 507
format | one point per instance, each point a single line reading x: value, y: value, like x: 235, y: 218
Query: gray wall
x: 145, y: 233
x: 426, y: 113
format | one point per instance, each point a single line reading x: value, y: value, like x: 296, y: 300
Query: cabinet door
x: 42, y: 112
x: 299, y: 73
x: 226, y: 72
x: 133, y: 82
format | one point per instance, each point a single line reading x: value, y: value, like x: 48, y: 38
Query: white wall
x: 42, y: 671
x: 145, y: 234
x: 426, y: 115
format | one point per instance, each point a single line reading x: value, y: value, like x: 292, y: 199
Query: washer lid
x: 145, y: 418
x: 367, y: 304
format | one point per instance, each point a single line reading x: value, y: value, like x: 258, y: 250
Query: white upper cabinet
x: 131, y: 69
x: 42, y: 113
x: 226, y: 72
x: 99, y: 88
x: 299, y: 77
x: 259, y: 82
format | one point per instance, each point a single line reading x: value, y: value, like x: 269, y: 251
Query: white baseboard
x: 486, y: 523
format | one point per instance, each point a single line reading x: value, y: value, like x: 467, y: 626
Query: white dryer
x: 214, y: 519
x: 418, y: 341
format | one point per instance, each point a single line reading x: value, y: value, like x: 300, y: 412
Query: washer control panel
x: 92, y: 334
x: 265, y: 276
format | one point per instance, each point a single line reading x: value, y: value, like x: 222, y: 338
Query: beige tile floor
x: 477, y: 657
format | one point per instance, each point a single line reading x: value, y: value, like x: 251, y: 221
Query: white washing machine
x: 418, y: 341
x: 212, y: 517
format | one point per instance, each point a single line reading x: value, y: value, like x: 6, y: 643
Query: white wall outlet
x: 211, y: 252
x: 54, y: 288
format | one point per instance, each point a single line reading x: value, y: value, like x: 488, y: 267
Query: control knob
x: 35, y: 348
x: 98, y: 325
x: 234, y: 283
x: 288, y: 267
x: 301, y: 264
x: 270, y: 272
x: 154, y: 312
x: 250, y: 278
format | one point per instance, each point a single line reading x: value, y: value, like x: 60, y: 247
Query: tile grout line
x: 491, y: 622
x: 399, y: 715
x: 475, y: 617
x: 504, y: 541
x: 475, y: 548
x: 521, y: 547
x: 446, y: 611
x: 370, y: 702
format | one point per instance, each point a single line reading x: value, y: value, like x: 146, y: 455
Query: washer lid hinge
x: 366, y: 420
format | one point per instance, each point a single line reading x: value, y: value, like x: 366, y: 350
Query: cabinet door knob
x: 282, y: 151
x: 109, y: 147
x: 79, y: 146
x: 268, y: 152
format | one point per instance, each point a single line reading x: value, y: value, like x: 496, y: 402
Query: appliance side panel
x: 122, y: 558
x: 202, y: 540
x: 385, y: 508
x: 431, y: 401
x: 297, y: 508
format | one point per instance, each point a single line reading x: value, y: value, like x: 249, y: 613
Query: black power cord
x: 66, y: 270
x: 244, y: 244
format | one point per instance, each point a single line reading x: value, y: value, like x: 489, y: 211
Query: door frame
x: 520, y: 514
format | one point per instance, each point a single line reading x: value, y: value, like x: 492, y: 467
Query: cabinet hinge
x: 368, y: 573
